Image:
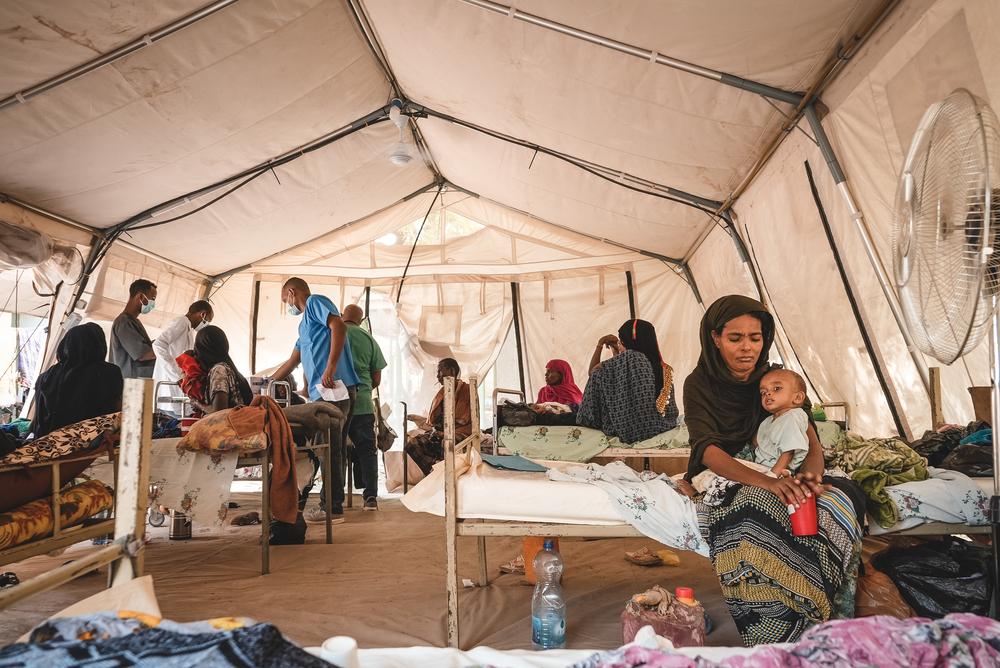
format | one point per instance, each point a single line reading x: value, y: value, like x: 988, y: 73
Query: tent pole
x: 639, y: 52
x: 631, y: 295
x: 840, y: 179
x: 110, y: 57
x: 515, y: 297
x: 995, y: 419
x: 254, y: 311
x: 885, y: 379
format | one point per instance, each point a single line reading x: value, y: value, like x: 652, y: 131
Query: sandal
x: 644, y: 557
x: 246, y: 519
x: 515, y: 565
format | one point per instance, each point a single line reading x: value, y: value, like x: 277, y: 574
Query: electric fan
x: 946, y: 243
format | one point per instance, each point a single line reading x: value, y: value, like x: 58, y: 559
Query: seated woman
x: 631, y: 395
x: 427, y: 448
x: 559, y: 386
x: 776, y: 585
x: 210, y: 376
x: 81, y: 385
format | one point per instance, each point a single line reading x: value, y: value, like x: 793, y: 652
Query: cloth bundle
x: 875, y: 464
x: 936, y: 445
x: 34, y: 520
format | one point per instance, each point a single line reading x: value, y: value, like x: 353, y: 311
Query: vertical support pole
x: 515, y: 296
x: 133, y: 475
x: 937, y: 411
x: 265, y: 513
x: 254, y: 310
x: 995, y: 416
x: 56, y: 501
x: 451, y: 511
x: 327, y: 478
x: 477, y: 439
x: 631, y: 295
x: 839, y: 178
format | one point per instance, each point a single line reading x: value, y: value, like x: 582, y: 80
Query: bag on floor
x: 877, y: 595
x: 283, y: 533
x: 941, y: 577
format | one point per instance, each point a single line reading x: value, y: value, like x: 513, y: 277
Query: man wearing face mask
x: 131, y: 348
x: 176, y: 338
x: 325, y: 354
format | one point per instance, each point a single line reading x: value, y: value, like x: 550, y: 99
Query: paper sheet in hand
x: 336, y: 393
x: 513, y: 463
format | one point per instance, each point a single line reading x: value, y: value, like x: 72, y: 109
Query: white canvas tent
x: 586, y: 152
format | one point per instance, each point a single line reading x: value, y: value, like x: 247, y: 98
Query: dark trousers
x: 364, y: 455
x: 337, y: 460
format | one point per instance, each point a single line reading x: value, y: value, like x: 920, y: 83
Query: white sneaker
x: 317, y: 515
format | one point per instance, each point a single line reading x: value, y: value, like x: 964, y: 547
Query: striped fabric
x: 778, y: 585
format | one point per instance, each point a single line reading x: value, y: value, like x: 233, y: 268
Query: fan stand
x: 995, y: 420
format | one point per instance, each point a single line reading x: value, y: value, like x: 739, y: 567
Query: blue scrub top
x: 314, y: 345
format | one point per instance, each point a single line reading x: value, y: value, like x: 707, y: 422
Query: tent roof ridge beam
x: 607, y: 173
x: 639, y: 52
x: 137, y: 44
x: 379, y: 115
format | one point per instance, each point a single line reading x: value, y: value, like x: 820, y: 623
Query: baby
x: 781, y: 441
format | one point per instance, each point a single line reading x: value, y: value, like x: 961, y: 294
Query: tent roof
x: 257, y: 79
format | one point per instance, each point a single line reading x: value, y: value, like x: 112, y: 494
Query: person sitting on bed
x: 80, y: 386
x: 210, y: 376
x: 631, y: 395
x: 781, y: 442
x: 426, y: 449
x: 559, y: 387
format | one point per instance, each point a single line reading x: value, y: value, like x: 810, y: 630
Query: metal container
x: 180, y: 526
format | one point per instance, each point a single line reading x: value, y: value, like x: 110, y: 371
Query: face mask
x: 202, y: 325
x: 293, y: 310
x: 148, y: 306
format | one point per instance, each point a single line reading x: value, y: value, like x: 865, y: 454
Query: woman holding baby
x: 776, y: 584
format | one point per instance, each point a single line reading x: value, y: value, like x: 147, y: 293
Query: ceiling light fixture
x: 401, y: 154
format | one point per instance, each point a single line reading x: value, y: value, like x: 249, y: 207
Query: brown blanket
x: 283, y: 486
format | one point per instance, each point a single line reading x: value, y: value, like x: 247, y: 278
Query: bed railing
x: 125, y: 552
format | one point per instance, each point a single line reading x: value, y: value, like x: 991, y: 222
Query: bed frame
x: 263, y: 460
x: 125, y: 552
x: 456, y: 526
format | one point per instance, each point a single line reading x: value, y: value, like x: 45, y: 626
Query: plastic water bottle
x: 548, y: 608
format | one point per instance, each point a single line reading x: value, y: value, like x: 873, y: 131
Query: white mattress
x: 947, y: 496
x: 487, y: 493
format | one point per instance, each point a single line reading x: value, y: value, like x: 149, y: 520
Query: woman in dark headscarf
x: 81, y: 385
x: 224, y: 387
x: 776, y: 585
x: 631, y: 395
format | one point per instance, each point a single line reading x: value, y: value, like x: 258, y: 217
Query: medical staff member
x: 131, y: 349
x: 325, y: 354
x: 177, y: 338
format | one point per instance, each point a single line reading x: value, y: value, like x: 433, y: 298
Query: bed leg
x: 484, y: 576
x: 265, y: 514
x: 133, y: 477
x: 451, y: 512
x: 327, y: 475
x: 348, y: 455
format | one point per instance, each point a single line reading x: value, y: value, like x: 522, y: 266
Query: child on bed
x: 781, y: 441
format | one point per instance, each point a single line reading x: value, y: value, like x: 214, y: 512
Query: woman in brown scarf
x: 427, y: 449
x: 776, y: 584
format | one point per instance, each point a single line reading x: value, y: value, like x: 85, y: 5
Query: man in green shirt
x: 368, y: 364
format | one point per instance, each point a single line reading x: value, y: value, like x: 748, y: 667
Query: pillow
x: 240, y: 429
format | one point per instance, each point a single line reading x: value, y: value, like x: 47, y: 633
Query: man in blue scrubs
x: 325, y: 355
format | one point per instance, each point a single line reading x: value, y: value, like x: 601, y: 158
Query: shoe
x: 371, y: 503
x: 318, y: 516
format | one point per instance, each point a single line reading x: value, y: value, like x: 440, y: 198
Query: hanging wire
x: 417, y: 239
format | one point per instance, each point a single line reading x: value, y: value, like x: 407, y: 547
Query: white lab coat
x: 177, y: 337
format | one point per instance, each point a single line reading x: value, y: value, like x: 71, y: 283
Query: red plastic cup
x: 804, y: 522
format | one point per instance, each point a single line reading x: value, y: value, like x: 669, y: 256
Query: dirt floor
x: 382, y: 582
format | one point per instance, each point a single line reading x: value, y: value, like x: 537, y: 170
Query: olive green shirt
x: 367, y: 360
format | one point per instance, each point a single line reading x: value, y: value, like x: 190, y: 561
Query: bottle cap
x: 684, y: 592
x: 549, y: 544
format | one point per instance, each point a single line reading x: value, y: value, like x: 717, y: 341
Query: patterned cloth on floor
x: 648, y: 501
x: 959, y: 640
x: 876, y: 464
x: 128, y: 639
